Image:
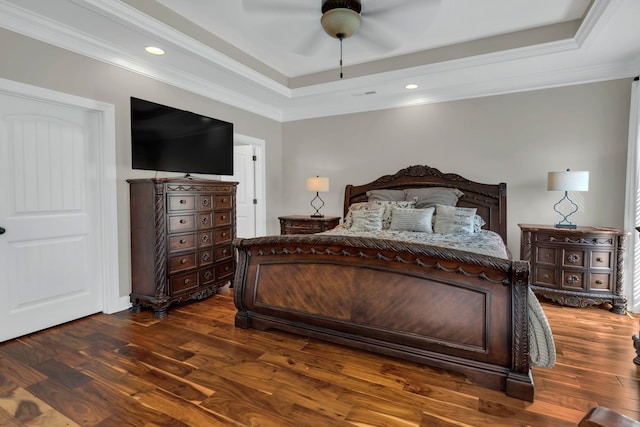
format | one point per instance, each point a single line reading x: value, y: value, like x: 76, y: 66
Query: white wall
x: 514, y: 138
x: 32, y: 62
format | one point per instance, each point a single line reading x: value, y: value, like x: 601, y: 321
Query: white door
x: 244, y: 174
x: 49, y: 207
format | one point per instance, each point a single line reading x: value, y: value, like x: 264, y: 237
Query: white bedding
x: 542, y: 351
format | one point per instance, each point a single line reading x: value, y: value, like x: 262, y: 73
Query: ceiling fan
x: 381, y: 23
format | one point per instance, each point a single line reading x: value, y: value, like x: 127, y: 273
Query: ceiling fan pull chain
x: 341, y: 38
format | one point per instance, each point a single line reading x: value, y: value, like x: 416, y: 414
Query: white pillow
x: 375, y: 204
x: 412, y: 219
x: 453, y: 220
x: 367, y: 219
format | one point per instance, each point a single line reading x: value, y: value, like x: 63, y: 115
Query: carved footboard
x: 444, y: 308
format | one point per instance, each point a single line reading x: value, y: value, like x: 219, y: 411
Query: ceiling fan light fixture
x: 341, y: 23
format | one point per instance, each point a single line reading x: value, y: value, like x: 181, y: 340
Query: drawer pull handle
x: 208, y: 275
x: 186, y: 281
x: 599, y: 282
x: 226, y: 268
x: 205, y: 256
x: 183, y: 261
x: 573, y: 258
x: 224, y: 200
x: 183, y: 202
x: 205, y: 238
x: 224, y: 252
x: 572, y: 279
x: 223, y: 217
x: 546, y: 277
x: 205, y: 220
x: 183, y: 221
x: 183, y: 241
x: 224, y: 234
x: 205, y: 202
x: 599, y: 259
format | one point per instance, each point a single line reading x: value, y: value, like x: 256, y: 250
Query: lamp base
x: 317, y: 216
x: 565, y: 226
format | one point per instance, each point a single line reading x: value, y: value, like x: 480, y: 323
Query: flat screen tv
x: 172, y: 140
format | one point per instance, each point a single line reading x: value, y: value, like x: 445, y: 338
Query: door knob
x: 2, y: 230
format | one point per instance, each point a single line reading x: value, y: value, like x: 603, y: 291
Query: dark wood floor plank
x: 194, y: 368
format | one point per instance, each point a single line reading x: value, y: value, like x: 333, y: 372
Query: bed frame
x: 444, y: 308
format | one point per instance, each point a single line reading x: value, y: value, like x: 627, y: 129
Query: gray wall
x: 514, y: 138
x: 32, y: 62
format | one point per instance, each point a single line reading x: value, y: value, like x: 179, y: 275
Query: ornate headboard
x: 490, y: 200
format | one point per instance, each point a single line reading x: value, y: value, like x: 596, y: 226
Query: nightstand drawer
x: 601, y: 259
x: 546, y: 255
x: 600, y: 282
x: 300, y: 224
x: 573, y: 258
x: 573, y: 280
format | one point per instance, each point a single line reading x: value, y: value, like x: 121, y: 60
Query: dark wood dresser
x: 300, y: 224
x: 181, y: 235
x: 576, y: 267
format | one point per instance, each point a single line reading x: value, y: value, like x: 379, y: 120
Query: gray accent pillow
x: 431, y: 196
x: 453, y: 220
x: 386, y: 195
x: 386, y: 215
x: 412, y: 219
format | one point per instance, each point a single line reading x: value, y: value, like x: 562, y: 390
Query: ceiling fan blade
x: 311, y: 42
x: 281, y: 8
x: 378, y: 36
x: 371, y: 8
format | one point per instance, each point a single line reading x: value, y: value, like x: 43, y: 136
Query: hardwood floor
x: 194, y: 368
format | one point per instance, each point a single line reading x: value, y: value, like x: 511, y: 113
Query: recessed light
x: 154, y: 50
x: 411, y: 86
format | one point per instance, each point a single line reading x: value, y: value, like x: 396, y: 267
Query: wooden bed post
x: 519, y: 380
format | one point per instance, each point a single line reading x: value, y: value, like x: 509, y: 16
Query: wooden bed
x: 441, y: 307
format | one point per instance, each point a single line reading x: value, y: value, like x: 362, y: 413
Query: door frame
x: 260, y: 179
x: 107, y: 233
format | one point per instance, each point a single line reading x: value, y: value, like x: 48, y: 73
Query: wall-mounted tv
x: 168, y: 139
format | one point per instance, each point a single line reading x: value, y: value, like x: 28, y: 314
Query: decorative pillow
x: 411, y: 219
x: 386, y: 195
x: 386, y: 216
x: 478, y: 223
x: 367, y: 219
x: 432, y: 196
x: 453, y: 220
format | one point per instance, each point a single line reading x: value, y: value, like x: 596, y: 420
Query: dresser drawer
x: 205, y: 202
x: 207, y: 275
x: 205, y: 257
x: 205, y: 238
x: 179, y: 223
x: 183, y: 282
x: 182, y: 202
x: 182, y: 242
x: 204, y: 220
x: 224, y: 269
x: 223, y: 201
x: 222, y: 218
x: 222, y: 235
x: 182, y: 262
x: 223, y: 252
x: 573, y: 258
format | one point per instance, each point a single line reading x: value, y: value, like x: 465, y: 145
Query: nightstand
x: 301, y: 224
x: 576, y: 267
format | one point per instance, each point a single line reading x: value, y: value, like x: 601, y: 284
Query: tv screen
x: 168, y: 139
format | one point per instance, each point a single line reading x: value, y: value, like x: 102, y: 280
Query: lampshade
x: 318, y: 184
x: 568, y: 181
x: 341, y: 22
